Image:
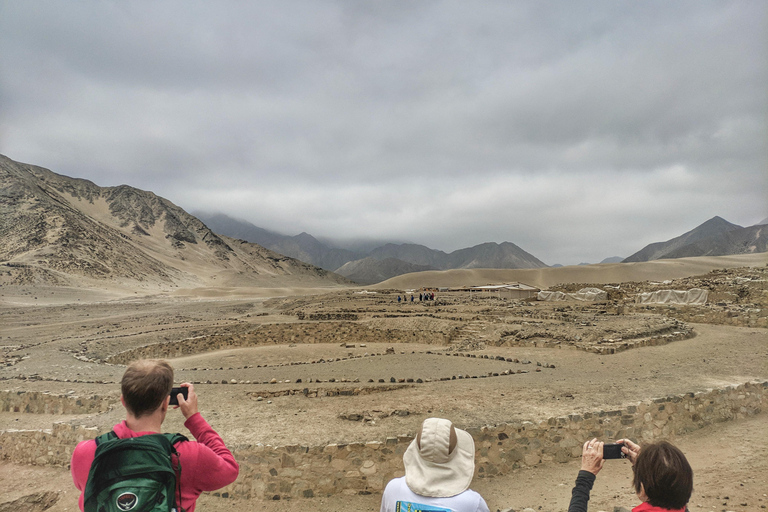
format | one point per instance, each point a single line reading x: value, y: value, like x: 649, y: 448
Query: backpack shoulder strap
x: 175, y: 438
x: 109, y: 436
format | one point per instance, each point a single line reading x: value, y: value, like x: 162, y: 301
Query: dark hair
x: 665, y: 475
x: 146, y: 383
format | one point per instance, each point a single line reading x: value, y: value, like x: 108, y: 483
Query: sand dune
x: 657, y: 270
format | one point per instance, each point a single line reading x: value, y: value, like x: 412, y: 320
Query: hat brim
x: 441, y: 480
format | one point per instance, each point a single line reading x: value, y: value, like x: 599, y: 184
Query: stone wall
x: 51, y: 447
x: 603, y: 347
x: 276, y: 334
x: 41, y: 402
x: 738, y: 316
x: 271, y: 472
x: 303, y: 471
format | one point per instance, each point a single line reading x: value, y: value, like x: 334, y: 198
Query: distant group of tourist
x: 423, y: 296
x: 136, y: 467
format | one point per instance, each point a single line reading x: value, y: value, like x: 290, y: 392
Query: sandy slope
x: 86, y: 290
x: 657, y: 270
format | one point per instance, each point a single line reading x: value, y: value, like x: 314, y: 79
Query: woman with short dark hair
x: 663, y: 478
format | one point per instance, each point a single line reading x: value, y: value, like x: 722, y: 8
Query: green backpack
x: 135, y: 474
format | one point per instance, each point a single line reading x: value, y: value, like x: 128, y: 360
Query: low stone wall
x: 302, y: 471
x: 40, y: 402
x: 738, y: 316
x: 51, y: 447
x: 276, y: 334
x: 603, y: 347
x: 270, y: 472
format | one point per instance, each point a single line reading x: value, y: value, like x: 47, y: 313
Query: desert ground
x: 382, y: 366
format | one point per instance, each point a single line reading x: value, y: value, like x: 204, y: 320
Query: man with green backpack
x: 136, y: 468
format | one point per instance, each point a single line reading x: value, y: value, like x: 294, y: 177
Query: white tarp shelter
x: 583, y: 294
x: 550, y: 295
x: 508, y: 291
x: 590, y: 294
x: 692, y: 296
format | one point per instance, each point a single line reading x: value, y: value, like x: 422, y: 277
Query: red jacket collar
x: 647, y: 507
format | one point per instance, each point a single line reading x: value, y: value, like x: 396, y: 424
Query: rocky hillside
x: 492, y: 255
x: 411, y: 253
x: 56, y: 230
x: 392, y: 260
x: 716, y: 237
x: 488, y: 255
x: 737, y: 241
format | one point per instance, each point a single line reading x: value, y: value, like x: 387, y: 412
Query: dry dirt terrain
x: 338, y: 366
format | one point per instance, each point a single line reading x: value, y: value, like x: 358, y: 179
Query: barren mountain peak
x: 62, y: 230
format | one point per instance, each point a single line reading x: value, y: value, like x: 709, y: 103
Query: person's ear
x: 641, y: 494
x: 122, y: 400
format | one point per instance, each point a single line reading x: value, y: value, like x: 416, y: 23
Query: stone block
x: 368, y: 468
x: 531, y: 459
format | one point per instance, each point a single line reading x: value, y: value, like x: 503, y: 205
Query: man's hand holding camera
x: 188, y: 406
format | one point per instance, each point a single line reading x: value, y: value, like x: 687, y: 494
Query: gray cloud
x: 575, y: 130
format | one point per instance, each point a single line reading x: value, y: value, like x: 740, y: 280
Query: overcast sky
x: 578, y: 130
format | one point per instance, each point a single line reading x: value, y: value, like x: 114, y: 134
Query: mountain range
x: 380, y: 263
x: 715, y: 237
x: 54, y: 228
x: 61, y: 231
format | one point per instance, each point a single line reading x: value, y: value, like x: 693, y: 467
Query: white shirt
x: 398, y: 497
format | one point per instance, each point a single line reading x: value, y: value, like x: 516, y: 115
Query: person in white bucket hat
x: 439, y: 466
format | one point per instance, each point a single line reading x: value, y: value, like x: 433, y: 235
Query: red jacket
x: 206, y: 465
x: 647, y: 507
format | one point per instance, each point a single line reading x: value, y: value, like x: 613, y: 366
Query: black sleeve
x: 580, y: 493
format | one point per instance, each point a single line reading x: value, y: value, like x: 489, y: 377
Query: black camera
x: 613, y: 451
x: 175, y: 391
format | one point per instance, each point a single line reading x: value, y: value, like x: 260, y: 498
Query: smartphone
x: 613, y: 451
x: 175, y: 391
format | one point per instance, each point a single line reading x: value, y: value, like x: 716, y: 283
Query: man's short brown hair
x: 665, y: 475
x: 146, y: 383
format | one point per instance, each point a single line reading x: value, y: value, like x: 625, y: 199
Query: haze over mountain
x: 303, y: 247
x: 59, y: 230
x: 380, y: 263
x: 715, y: 237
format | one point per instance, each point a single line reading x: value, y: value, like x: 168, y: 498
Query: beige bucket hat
x: 440, y: 462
